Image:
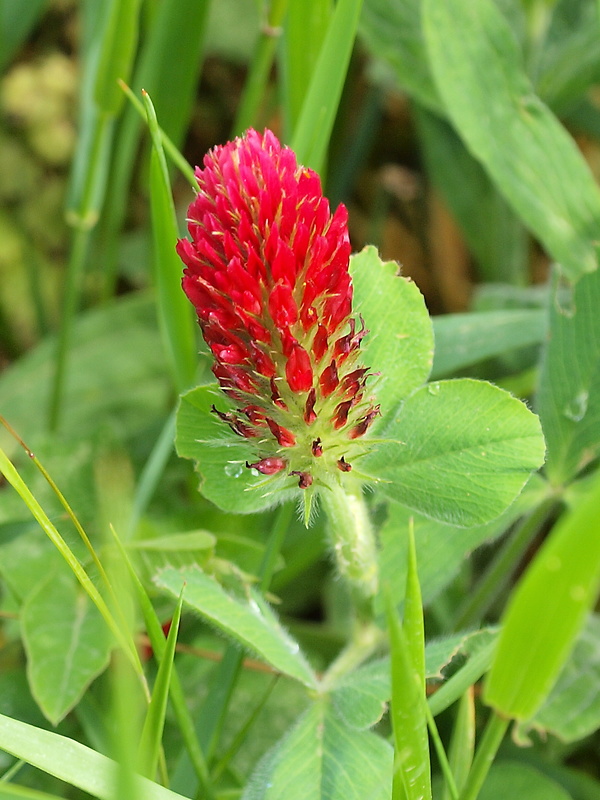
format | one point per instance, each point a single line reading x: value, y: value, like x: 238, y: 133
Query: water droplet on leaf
x: 433, y: 388
x: 234, y: 470
x: 577, y: 407
x: 564, y: 298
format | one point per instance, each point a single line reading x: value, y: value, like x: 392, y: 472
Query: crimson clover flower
x: 267, y: 272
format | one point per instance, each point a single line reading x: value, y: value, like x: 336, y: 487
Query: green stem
x: 254, y: 89
x: 365, y: 639
x: 450, y: 783
x: 486, y: 753
x: 353, y: 540
x: 501, y: 569
x: 84, y: 221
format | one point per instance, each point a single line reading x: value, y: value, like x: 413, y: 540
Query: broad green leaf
x: 14, y: 478
x: 568, y: 398
x: 66, y: 642
x: 572, y: 710
x: 322, y: 759
x: 70, y: 761
x: 476, y: 63
x: 521, y: 782
x: 458, y: 451
x: 26, y: 561
x: 399, y: 345
x: 361, y: 697
x: 392, y: 31
x: 118, y: 378
x: 546, y: 612
x: 462, y: 340
x: 221, y: 455
x: 250, y: 621
x: 441, y: 548
x: 494, y: 233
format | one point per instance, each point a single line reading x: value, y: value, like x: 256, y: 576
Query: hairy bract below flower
x: 267, y: 272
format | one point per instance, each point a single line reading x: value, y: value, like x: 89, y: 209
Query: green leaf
x: 520, y: 781
x: 399, y: 345
x: 458, y: 451
x: 304, y: 30
x: 462, y: 340
x: 151, y: 736
x: 476, y: 63
x: 70, y: 761
x: 192, y: 540
x: 361, y: 697
x: 569, y: 61
x: 462, y: 744
x: 572, y: 710
x: 117, y: 376
x: 250, y: 621
x: 392, y: 31
x: 412, y: 778
x: 546, y: 612
x: 493, y: 232
x: 441, y: 548
x: 66, y: 642
x: 221, y: 455
x: 119, y: 40
x: 312, y: 133
x: 16, y: 792
x: 321, y: 759
x: 568, y: 398
x: 174, y: 311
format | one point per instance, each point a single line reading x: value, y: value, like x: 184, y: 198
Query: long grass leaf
x: 157, y: 639
x: 154, y: 723
x: 311, y: 136
x: 71, y: 761
x: 304, y: 31
x: 411, y: 772
x: 116, y: 57
x: 175, y: 313
x: 12, y: 476
x: 547, y: 611
x: 254, y: 89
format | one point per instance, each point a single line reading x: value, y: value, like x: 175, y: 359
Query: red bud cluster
x: 267, y: 272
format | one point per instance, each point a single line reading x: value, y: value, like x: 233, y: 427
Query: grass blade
x: 71, y: 761
x: 12, y: 476
x: 154, y: 723
x: 175, y: 313
x: 305, y: 29
x: 547, y: 611
x: 311, y: 136
x: 254, y: 90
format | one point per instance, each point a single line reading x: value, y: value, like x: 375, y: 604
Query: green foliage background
x: 463, y: 136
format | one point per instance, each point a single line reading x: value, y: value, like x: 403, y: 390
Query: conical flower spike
x: 267, y: 272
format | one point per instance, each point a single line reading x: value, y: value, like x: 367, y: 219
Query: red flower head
x: 267, y: 272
